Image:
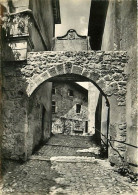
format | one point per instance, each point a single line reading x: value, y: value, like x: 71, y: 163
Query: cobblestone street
x: 62, y: 166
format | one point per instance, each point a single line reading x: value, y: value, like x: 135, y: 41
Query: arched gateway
x: 105, y: 69
x: 21, y: 81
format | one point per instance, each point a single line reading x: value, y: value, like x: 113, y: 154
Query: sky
x: 74, y: 15
x: 84, y: 84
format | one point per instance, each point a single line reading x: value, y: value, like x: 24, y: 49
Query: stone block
x: 122, y: 103
x: 92, y: 66
x: 108, y: 90
x: 68, y: 67
x: 122, y: 82
x: 30, y: 88
x: 102, y: 83
x: 94, y: 76
x: 120, y: 70
x: 38, y: 80
x: 60, y: 68
x: 117, y: 76
x: 52, y: 54
x: 52, y: 71
x: 122, y: 92
x: 107, y: 78
x: 107, y: 58
x: 45, y: 75
x: 104, y: 72
x: 68, y: 54
x: 77, y: 70
x: 113, y: 86
x: 86, y: 73
x: 122, y: 126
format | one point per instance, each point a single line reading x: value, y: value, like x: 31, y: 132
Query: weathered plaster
x: 23, y: 80
x: 66, y: 109
x: 120, y: 33
x: 106, y: 69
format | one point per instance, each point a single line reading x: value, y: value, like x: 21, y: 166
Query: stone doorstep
x: 65, y: 146
x: 90, y: 150
x: 72, y: 159
x: 64, y: 159
x: 41, y: 158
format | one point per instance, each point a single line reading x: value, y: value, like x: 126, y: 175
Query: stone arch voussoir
x: 105, y: 69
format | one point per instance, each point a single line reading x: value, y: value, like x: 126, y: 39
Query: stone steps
x: 66, y: 146
x: 72, y: 141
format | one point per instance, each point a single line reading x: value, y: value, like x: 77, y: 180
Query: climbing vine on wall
x: 17, y: 24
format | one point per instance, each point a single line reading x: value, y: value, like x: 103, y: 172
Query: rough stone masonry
x: 107, y: 70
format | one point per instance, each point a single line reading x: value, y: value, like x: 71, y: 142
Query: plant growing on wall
x: 15, y: 25
x: 21, y: 23
x: 5, y: 22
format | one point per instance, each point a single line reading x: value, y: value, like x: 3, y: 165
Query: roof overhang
x: 56, y: 11
x: 97, y: 19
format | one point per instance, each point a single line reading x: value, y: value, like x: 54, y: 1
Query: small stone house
x: 69, y: 108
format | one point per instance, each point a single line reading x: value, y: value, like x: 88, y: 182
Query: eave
x: 96, y: 25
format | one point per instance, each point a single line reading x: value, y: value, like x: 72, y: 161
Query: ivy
x: 18, y: 22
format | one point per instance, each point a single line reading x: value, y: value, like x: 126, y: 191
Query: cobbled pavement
x: 57, y: 169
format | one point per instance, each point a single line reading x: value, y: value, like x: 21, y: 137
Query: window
x: 53, y: 90
x: 86, y: 126
x: 70, y: 92
x: 78, y: 108
x: 53, y: 107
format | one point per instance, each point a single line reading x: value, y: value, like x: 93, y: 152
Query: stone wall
x: 71, y: 42
x: 98, y: 118
x: 106, y: 69
x: 43, y: 25
x: 120, y: 34
x: 22, y: 117
x: 15, y: 5
x: 20, y: 127
x: 65, y: 114
x: 45, y: 21
x: 14, y: 113
x: 39, y: 118
x: 93, y: 94
x: 38, y: 31
x: 104, y: 121
x: 21, y: 80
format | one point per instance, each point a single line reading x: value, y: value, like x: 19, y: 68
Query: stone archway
x: 105, y: 69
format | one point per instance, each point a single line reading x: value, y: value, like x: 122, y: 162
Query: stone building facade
x: 25, y: 119
x: 49, y: 71
x: 29, y: 68
x: 69, y: 108
x: 114, y: 27
x: 71, y: 41
x: 98, y: 112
